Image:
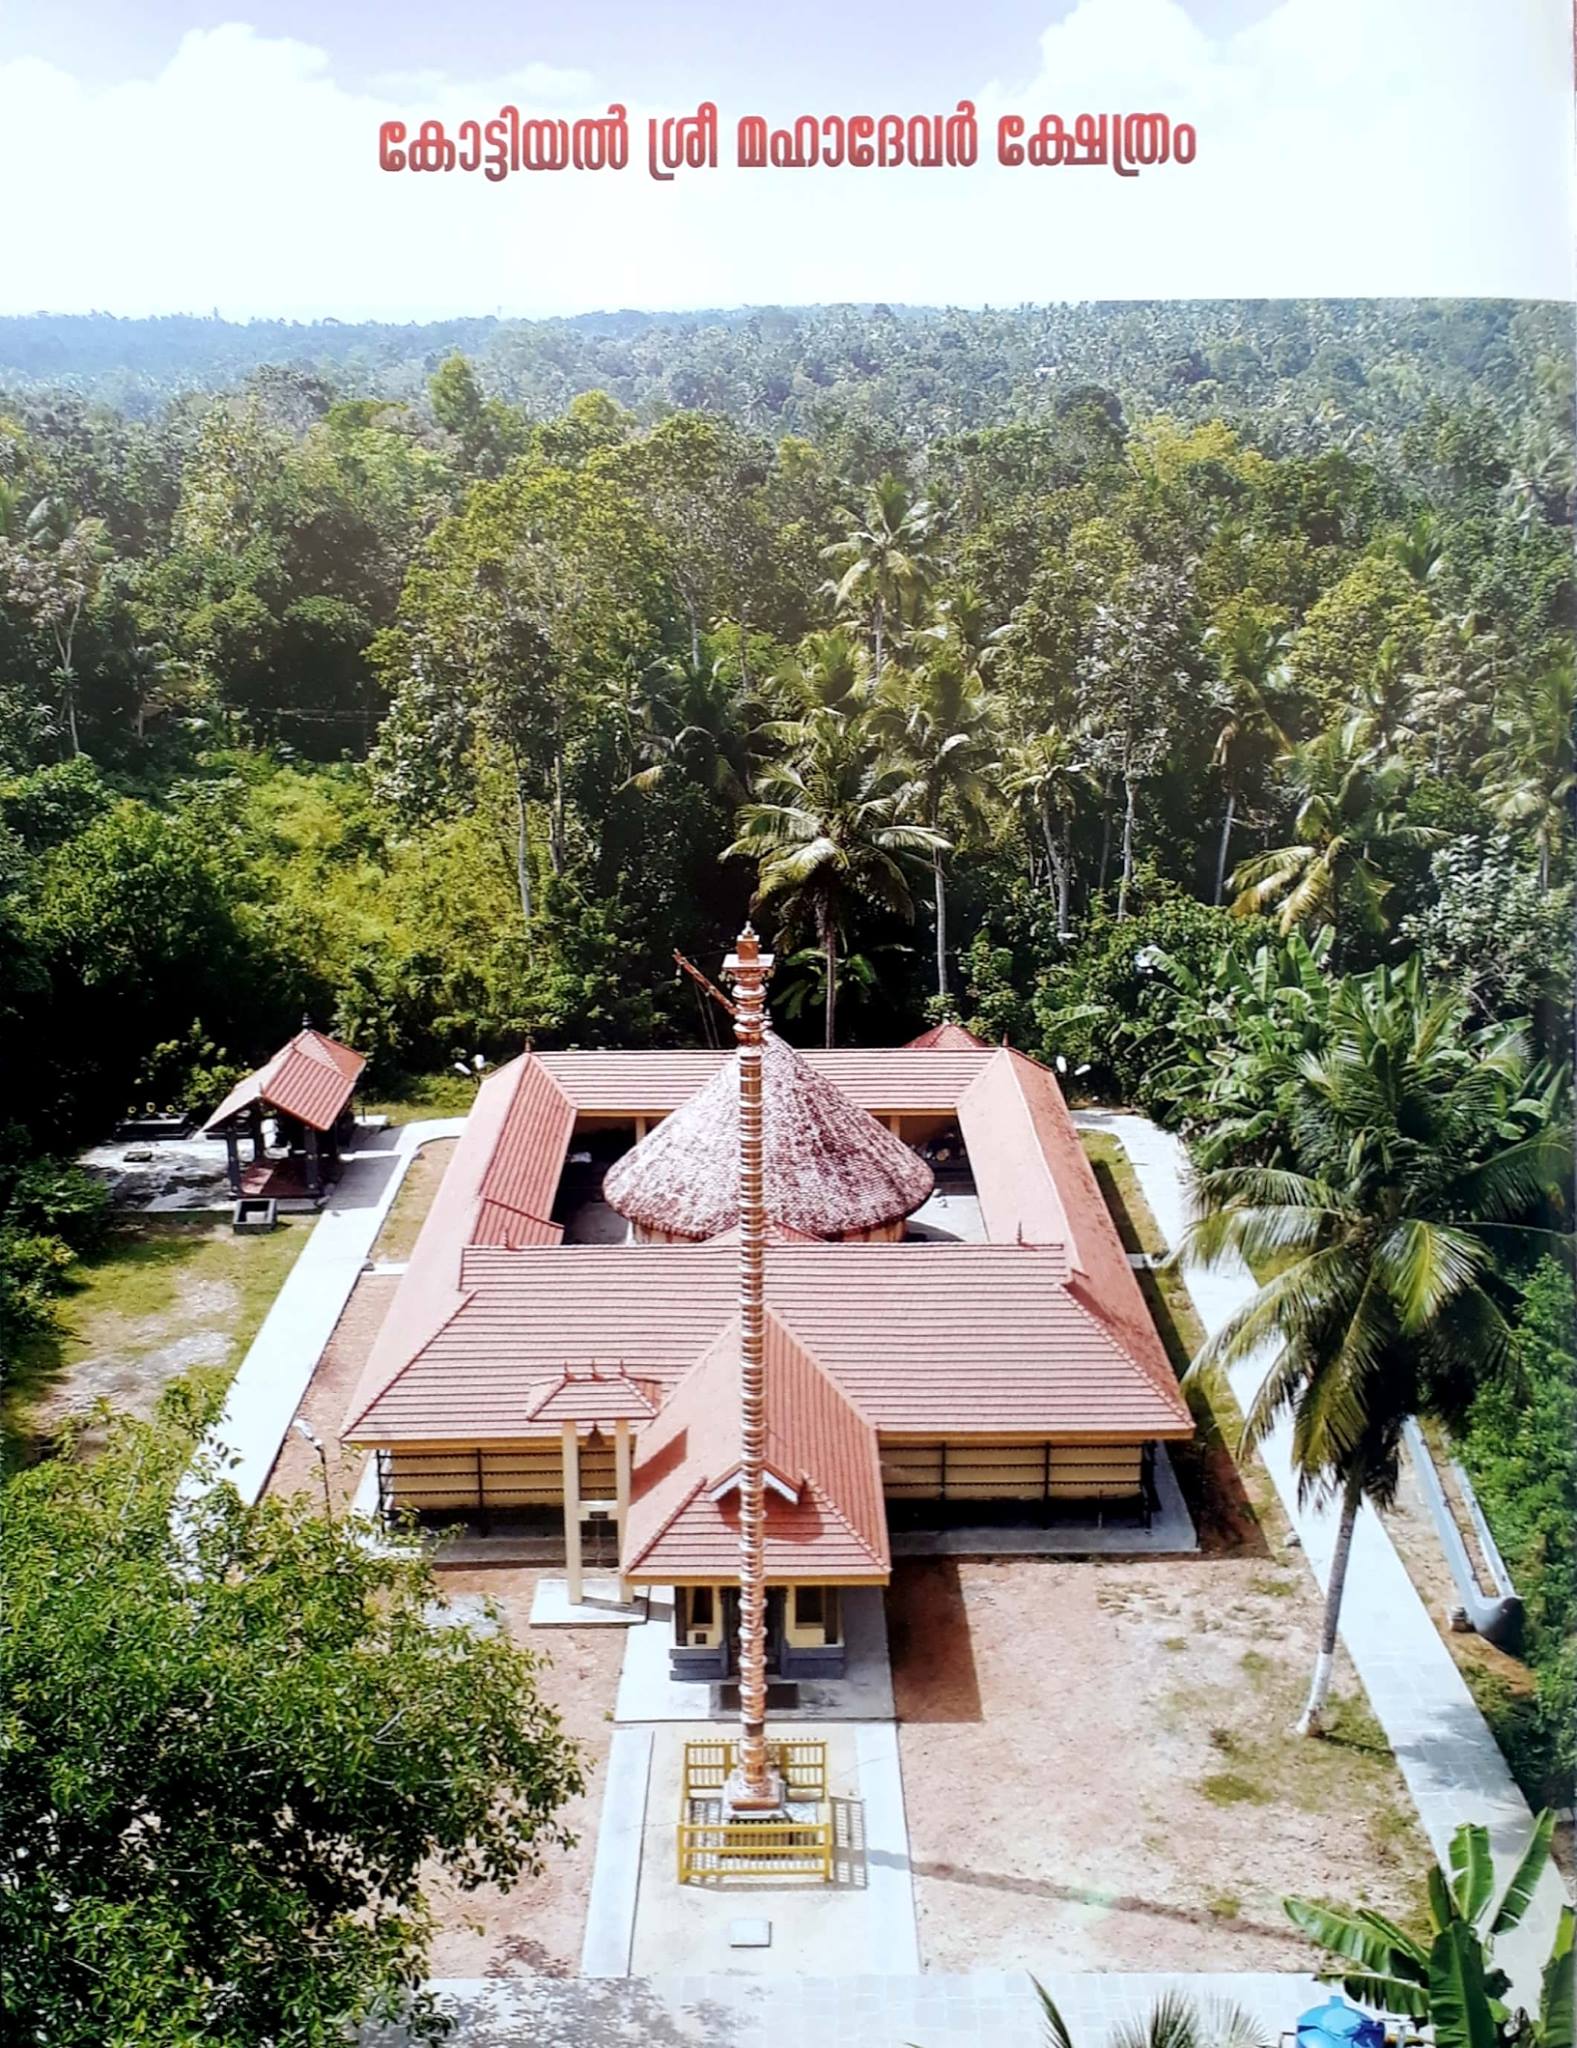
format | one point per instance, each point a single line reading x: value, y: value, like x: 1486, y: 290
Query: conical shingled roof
x: 830, y: 1169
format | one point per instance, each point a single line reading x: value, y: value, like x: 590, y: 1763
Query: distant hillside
x: 1310, y: 371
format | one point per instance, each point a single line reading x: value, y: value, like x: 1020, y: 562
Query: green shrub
x: 1520, y: 1447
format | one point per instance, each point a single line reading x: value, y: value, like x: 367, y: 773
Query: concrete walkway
x: 638, y: 1915
x: 986, y: 2009
x: 1451, y: 1763
x: 284, y: 1354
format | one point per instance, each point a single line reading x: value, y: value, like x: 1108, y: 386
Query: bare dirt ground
x: 1098, y: 1771
x: 296, y: 1470
x: 409, y: 1211
x: 537, y: 1928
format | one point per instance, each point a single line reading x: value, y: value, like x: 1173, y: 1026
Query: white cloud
x: 1345, y: 148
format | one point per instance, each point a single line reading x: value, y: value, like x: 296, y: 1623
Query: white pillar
x: 621, y: 1489
x: 640, y: 1129
x: 572, y: 1577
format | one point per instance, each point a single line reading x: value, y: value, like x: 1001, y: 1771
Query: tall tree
x: 939, y: 726
x: 1529, y: 774
x: 884, y: 560
x: 52, y: 574
x: 1423, y: 1153
x: 835, y: 830
x: 1250, y: 652
x: 236, y: 1751
x: 1135, y: 677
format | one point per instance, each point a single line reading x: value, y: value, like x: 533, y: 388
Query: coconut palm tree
x: 695, y: 730
x: 939, y: 727
x: 1252, y: 653
x: 1389, y: 703
x: 883, y: 560
x: 1174, y: 2021
x: 1421, y: 1151
x: 1529, y: 775
x: 1348, y: 820
x: 1048, y: 774
x: 1420, y: 546
x: 834, y: 833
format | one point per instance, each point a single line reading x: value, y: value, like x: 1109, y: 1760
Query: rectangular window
x: 700, y: 1598
x: 810, y: 1606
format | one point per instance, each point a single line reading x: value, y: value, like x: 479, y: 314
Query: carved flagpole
x: 754, y: 1787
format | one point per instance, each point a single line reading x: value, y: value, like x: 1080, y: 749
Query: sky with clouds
x: 155, y: 158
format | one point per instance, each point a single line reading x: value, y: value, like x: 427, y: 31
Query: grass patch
x: 1223, y: 1906
x: 163, y: 1298
x: 425, y: 1095
x: 1256, y: 1663
x: 1232, y: 1788
x: 1136, y: 1226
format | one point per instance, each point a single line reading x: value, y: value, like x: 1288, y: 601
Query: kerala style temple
x: 306, y: 1092
x: 952, y: 1327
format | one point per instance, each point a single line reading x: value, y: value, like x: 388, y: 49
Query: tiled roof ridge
x: 808, y: 1351
x: 1016, y: 1062
x: 1161, y: 1379
x: 464, y: 1296
x: 830, y: 1507
x: 634, y: 1560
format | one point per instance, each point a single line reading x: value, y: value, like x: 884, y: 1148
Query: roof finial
x: 306, y: 1020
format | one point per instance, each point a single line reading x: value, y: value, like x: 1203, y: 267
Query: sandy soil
x: 1098, y: 1771
x: 537, y: 1928
x: 323, y: 1405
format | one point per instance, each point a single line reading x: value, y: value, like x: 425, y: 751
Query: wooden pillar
x: 572, y: 1574
x: 256, y: 1116
x: 640, y: 1129
x: 621, y: 1489
x: 233, y: 1158
x: 314, y: 1167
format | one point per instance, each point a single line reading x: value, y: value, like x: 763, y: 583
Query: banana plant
x: 1451, y: 1981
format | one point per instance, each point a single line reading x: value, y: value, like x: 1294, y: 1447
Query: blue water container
x: 1339, y: 2025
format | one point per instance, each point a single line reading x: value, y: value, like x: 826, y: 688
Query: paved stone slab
x: 551, y: 1606
x: 616, y: 1877
x: 987, y: 2009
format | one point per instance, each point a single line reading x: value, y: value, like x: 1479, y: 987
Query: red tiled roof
x: 924, y: 1339
x: 1037, y: 1186
x: 595, y: 1395
x: 312, y: 1078
x: 512, y: 1115
x: 830, y: 1168
x: 947, y: 1038
x: 682, y: 1523
x: 881, y: 1079
x: 1053, y: 1339
x: 527, y: 1158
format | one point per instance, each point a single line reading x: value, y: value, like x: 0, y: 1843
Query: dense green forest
x: 1155, y: 684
